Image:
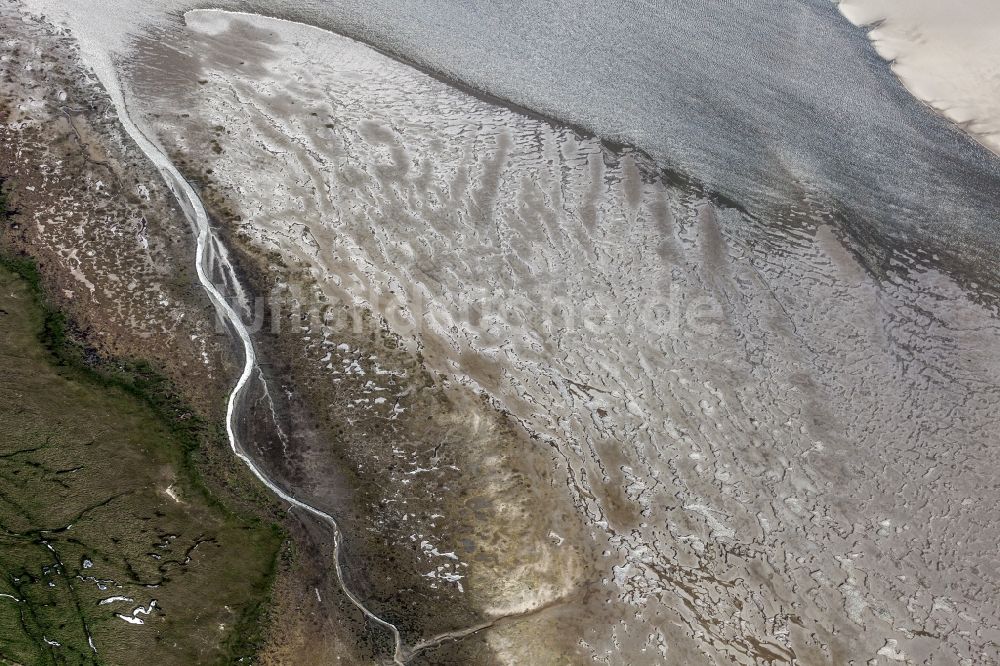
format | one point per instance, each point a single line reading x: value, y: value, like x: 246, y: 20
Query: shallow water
x: 760, y: 101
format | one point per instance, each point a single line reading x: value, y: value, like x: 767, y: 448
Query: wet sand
x: 737, y: 408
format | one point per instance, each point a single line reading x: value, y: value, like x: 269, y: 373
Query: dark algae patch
x: 111, y: 549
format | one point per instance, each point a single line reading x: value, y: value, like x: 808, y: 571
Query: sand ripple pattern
x: 782, y: 456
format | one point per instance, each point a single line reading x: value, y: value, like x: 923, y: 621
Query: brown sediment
x: 114, y: 251
x: 114, y: 248
x: 481, y: 489
x: 484, y: 489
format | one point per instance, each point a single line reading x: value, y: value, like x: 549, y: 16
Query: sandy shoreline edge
x: 946, y: 56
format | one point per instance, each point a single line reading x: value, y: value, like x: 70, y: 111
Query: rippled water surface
x: 757, y: 100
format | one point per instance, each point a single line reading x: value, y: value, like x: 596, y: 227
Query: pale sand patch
x: 946, y: 54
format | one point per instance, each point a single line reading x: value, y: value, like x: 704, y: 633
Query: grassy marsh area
x: 111, y: 549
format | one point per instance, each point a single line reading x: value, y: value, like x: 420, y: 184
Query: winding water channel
x: 193, y: 208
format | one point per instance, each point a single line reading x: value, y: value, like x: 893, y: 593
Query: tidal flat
x: 732, y: 403
x: 567, y: 404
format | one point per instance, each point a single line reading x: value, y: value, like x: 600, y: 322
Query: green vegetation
x: 100, y: 499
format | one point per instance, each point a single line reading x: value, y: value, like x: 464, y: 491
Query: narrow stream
x: 191, y: 203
